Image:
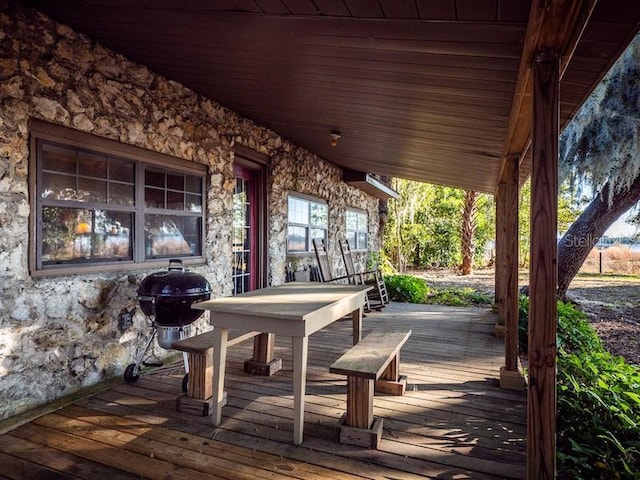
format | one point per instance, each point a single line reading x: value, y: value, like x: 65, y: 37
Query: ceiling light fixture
x: 335, y: 135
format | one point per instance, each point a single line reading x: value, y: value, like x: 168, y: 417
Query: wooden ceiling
x: 419, y: 89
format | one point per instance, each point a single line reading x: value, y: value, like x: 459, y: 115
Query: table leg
x: 300, y: 350
x: 220, y: 337
x: 357, y: 324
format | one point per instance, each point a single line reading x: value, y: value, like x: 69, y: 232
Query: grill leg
x: 185, y: 355
x: 136, y: 369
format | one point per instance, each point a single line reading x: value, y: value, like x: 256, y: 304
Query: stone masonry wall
x: 59, y: 334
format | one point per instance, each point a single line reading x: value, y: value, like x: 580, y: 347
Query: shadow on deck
x: 454, y: 421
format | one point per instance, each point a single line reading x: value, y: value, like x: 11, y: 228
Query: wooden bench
x: 200, y: 377
x: 370, y: 365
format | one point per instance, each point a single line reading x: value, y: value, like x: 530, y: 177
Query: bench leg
x: 199, y: 397
x: 390, y: 381
x: 201, y: 375
x: 359, y: 402
x: 356, y: 317
x: 358, y: 426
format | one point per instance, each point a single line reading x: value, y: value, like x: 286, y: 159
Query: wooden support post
x: 543, y: 278
x: 201, y: 385
x: 500, y: 270
x: 263, y: 361
x: 391, y: 382
x: 510, y: 377
x: 359, y: 402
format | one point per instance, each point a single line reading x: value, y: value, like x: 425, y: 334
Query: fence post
x: 600, y: 261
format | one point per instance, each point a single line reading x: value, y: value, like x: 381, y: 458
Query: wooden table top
x: 293, y: 301
x: 295, y: 309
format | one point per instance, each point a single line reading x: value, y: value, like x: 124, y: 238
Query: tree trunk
x: 468, y: 229
x: 584, y: 233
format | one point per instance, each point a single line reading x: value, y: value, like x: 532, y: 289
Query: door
x: 248, y: 234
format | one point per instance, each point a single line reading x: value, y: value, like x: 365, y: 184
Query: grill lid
x: 175, y: 282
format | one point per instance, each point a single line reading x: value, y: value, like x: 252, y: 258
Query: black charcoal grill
x: 165, y: 297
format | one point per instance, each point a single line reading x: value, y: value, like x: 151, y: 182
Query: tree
x: 468, y: 228
x: 424, y: 226
x: 600, y: 152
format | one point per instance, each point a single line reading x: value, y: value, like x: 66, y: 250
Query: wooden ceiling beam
x: 555, y: 25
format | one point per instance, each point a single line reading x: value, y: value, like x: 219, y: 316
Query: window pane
x: 352, y: 220
x: 175, y: 200
x: 70, y: 234
x: 92, y: 165
x: 362, y: 222
x: 121, y: 194
x: 319, y: 215
x: 121, y: 170
x: 167, y: 235
x: 154, y: 198
x: 362, y: 241
x: 58, y: 187
x: 154, y: 178
x: 175, y: 181
x: 351, y: 238
x: 59, y: 159
x: 194, y: 203
x: 239, y: 211
x: 193, y: 184
x: 240, y: 265
x: 296, y: 239
x: 114, y: 230
x: 298, y: 210
x: 92, y: 190
x: 192, y: 233
x: 317, y: 233
x: 240, y: 236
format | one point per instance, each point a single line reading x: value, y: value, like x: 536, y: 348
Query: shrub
x: 574, y: 332
x: 407, y: 288
x: 598, y: 417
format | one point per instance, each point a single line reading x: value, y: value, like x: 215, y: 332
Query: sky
x: 620, y: 228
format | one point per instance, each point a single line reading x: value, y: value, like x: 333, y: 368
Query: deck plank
x: 453, y: 422
x: 58, y: 460
x: 17, y: 468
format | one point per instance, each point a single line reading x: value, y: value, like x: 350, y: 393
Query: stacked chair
x: 378, y: 296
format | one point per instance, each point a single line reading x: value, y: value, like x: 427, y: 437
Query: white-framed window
x: 100, y: 205
x: 357, y: 229
x: 308, y: 219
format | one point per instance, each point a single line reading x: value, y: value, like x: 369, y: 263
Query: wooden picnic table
x: 296, y: 310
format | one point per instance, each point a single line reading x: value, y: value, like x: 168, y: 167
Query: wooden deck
x: 453, y: 423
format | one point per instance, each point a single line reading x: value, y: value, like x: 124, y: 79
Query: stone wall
x: 60, y: 334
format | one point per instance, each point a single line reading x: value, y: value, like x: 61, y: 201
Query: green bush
x: 406, y: 288
x: 574, y: 332
x: 523, y: 324
x: 598, y: 417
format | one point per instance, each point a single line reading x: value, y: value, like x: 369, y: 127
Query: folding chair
x: 378, y: 297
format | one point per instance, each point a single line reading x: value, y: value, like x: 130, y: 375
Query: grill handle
x: 175, y: 264
x: 152, y: 299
